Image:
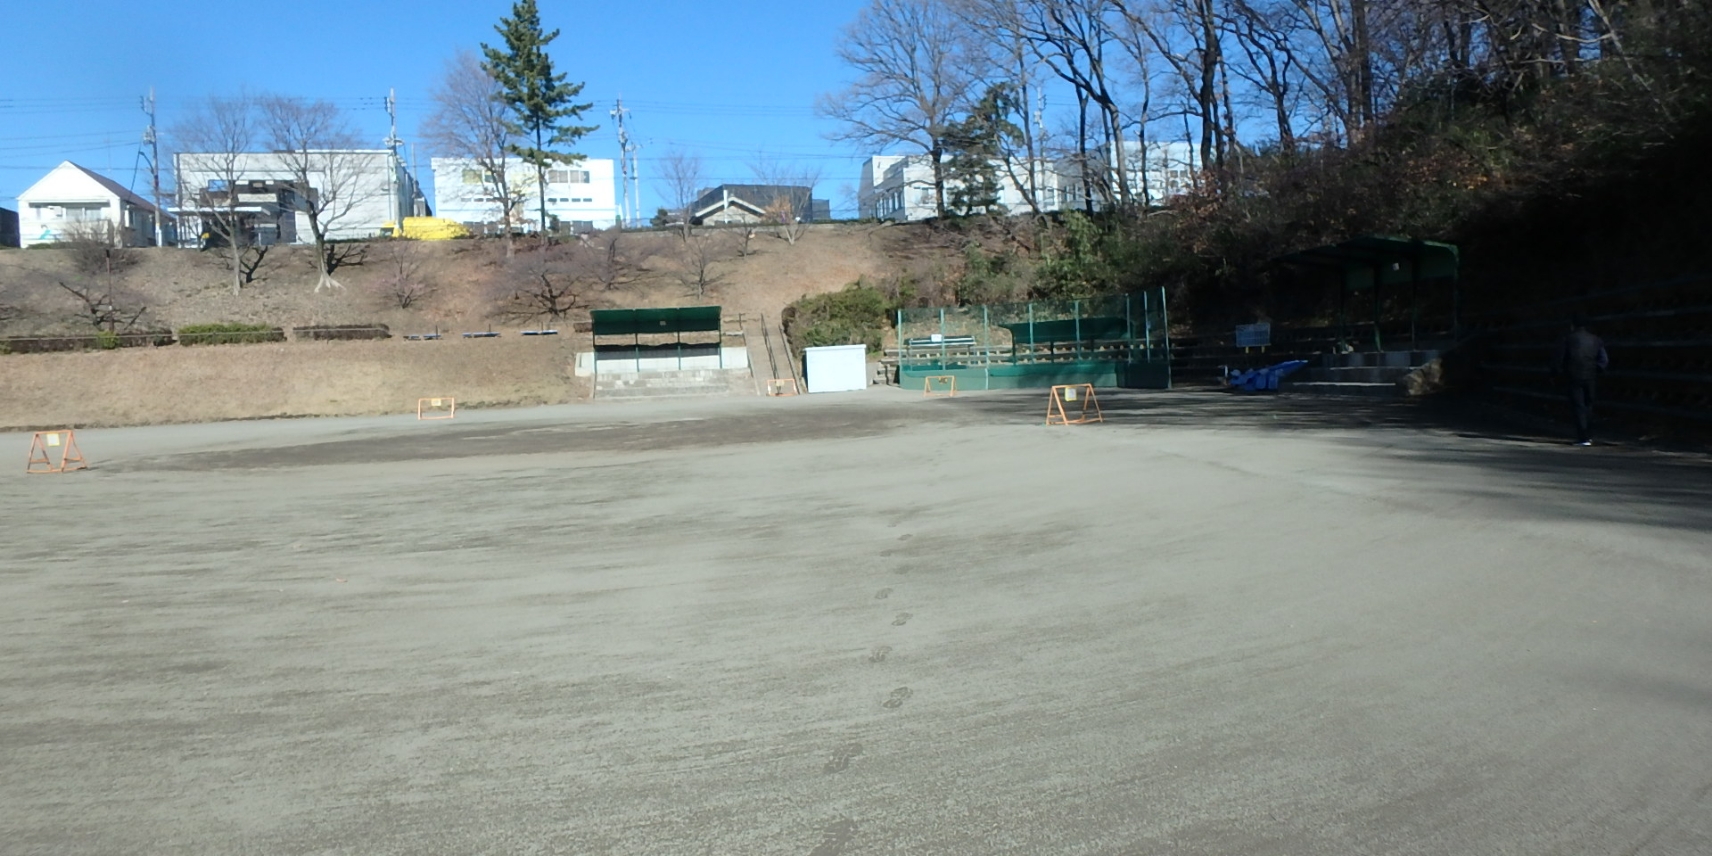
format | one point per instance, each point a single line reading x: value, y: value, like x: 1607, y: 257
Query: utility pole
x: 152, y: 140
x: 631, y: 212
x: 392, y: 164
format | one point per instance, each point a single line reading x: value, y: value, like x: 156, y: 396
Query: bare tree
x: 789, y: 212
x: 471, y: 121
x: 609, y: 260
x: 212, y: 145
x: 1264, y: 33
x: 541, y: 284
x: 314, y: 144
x: 107, y: 307
x: 94, y: 247
x: 697, y: 258
x: 405, y: 284
x: 917, y: 69
x: 681, y: 177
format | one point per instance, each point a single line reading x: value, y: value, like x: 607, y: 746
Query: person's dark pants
x: 1581, y: 408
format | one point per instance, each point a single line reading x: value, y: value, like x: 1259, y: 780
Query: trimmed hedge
x: 228, y: 334
x: 341, y: 332
x: 98, y: 342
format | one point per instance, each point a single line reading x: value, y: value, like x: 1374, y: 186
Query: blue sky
x: 732, y: 81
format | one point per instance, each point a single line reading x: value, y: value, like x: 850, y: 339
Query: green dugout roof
x: 1376, y: 262
x: 1393, y: 261
x: 636, y: 322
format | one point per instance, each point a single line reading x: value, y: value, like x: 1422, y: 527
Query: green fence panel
x: 1118, y: 340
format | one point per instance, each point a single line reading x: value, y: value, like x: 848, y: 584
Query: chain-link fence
x: 1107, y: 341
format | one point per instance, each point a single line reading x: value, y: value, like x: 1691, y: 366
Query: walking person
x: 1580, y: 358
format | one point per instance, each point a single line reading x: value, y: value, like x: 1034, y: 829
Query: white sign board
x: 837, y: 368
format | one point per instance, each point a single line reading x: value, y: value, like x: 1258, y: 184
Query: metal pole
x: 1378, y: 341
x: 1414, y: 299
x: 1076, y: 309
x: 942, y: 337
x: 987, y: 347
x: 1031, y: 351
x: 1129, y: 332
x: 902, y: 340
x: 1165, y: 330
x: 1147, y: 325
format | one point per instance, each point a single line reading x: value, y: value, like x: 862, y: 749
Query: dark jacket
x: 1580, y: 356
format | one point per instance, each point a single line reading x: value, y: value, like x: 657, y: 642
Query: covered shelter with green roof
x: 641, y: 335
x: 1380, y: 265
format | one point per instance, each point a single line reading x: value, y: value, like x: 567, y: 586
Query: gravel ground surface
x: 858, y: 624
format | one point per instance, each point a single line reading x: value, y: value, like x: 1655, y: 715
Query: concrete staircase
x: 1383, y: 374
x: 612, y: 386
x: 769, y: 352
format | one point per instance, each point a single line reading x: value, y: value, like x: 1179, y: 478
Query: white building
x: 900, y: 187
x: 73, y: 203
x: 580, y: 197
x: 361, y: 191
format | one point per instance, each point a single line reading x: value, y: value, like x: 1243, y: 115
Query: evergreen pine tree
x: 541, y: 101
x: 974, y: 146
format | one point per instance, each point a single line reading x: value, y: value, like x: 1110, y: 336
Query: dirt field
x: 858, y: 624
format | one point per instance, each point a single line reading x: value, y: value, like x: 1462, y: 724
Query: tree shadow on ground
x: 1433, y: 444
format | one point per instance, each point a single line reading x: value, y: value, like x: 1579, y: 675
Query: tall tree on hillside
x: 681, y: 176
x: 542, y: 102
x: 787, y: 211
x: 316, y: 147
x: 471, y: 121
x: 978, y: 145
x: 918, y: 69
x: 211, y: 145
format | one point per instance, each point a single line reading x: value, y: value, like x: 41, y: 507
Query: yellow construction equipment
x: 427, y: 229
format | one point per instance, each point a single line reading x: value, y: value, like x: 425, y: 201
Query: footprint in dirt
x: 905, y: 537
x: 840, y: 760
x: 886, y: 554
x: 897, y: 698
x: 902, y: 619
x: 878, y: 655
x: 835, y: 838
x: 882, y: 594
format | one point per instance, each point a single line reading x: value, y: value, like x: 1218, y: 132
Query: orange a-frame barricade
x: 1075, y: 397
x: 778, y: 386
x: 46, y: 444
x: 939, y: 385
x: 436, y: 408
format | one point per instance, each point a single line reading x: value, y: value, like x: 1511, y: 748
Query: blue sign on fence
x: 1254, y: 335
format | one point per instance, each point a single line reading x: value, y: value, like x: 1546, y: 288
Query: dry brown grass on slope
x: 189, y: 287
x: 144, y: 386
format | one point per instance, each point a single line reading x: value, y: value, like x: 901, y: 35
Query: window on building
x: 86, y: 213
x: 558, y: 176
x: 472, y: 176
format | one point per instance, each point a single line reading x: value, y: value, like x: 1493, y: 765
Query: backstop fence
x: 1106, y: 341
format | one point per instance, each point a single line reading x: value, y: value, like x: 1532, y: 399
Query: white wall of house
x: 900, y: 187
x: 72, y: 202
x: 379, y: 189
x: 582, y: 196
